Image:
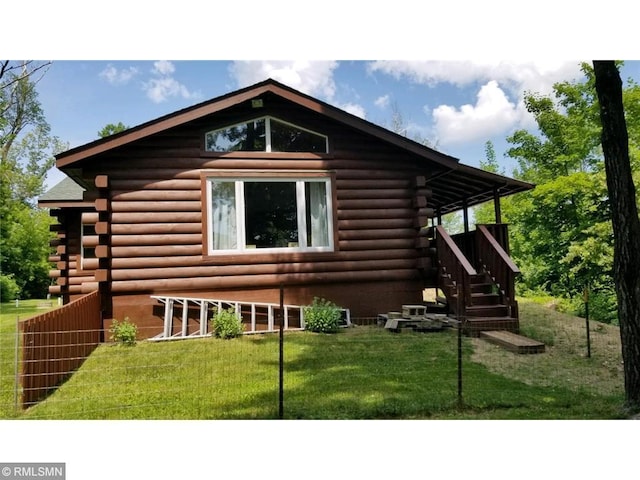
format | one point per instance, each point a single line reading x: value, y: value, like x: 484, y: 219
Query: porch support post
x: 465, y: 214
x: 439, y: 215
x: 496, y: 205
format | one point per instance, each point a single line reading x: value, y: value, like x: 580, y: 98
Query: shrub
x: 9, y: 289
x: 322, y: 316
x: 226, y: 323
x: 124, y: 333
x: 603, y: 306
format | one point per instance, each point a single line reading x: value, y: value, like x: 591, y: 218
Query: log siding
x: 151, y: 213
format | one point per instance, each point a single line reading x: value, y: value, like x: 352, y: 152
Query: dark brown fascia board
x: 220, y: 103
x: 495, y: 178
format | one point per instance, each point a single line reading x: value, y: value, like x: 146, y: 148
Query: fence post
x: 460, y: 400
x: 281, y: 360
x: 586, y: 319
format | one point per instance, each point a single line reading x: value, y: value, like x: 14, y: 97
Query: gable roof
x: 452, y: 182
x: 64, y: 193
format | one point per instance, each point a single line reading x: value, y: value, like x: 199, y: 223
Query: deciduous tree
x: 555, y: 227
x: 26, y: 154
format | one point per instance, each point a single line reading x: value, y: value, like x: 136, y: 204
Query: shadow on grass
x: 368, y: 373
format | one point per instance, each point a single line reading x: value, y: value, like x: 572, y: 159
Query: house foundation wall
x: 365, y: 300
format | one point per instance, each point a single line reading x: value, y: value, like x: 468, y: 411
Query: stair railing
x: 454, y: 266
x: 497, y: 263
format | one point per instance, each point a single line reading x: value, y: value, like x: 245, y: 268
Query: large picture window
x: 265, y: 134
x: 265, y: 214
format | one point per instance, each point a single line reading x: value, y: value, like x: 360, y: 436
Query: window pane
x: 248, y: 136
x: 317, y: 215
x: 270, y: 214
x: 288, y: 138
x: 223, y: 215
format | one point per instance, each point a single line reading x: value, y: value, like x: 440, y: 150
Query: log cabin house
x: 266, y: 187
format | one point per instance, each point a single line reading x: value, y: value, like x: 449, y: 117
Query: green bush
x: 603, y: 306
x: 226, y: 323
x: 9, y: 289
x: 322, y: 316
x: 124, y: 333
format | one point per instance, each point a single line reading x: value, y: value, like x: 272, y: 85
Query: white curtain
x: 223, y: 216
x: 318, y: 214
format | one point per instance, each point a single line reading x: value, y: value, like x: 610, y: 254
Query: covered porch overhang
x: 462, y: 186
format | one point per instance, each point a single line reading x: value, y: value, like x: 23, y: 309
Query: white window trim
x: 267, y: 132
x: 240, y: 212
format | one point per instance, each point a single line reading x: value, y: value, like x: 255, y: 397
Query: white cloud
x: 163, y: 67
x: 382, y: 102
x: 311, y: 77
x: 353, y: 109
x: 538, y: 76
x: 162, y: 85
x: 117, y: 76
x: 492, y: 114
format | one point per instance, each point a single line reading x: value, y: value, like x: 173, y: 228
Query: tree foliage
x: 26, y: 155
x: 485, y: 213
x: 112, y: 129
x: 561, y: 234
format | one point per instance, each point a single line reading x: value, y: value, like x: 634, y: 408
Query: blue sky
x: 456, y: 105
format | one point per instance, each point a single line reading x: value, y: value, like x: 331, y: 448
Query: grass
x: 565, y: 361
x: 359, y: 373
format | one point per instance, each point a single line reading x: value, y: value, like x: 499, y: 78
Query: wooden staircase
x: 482, y: 297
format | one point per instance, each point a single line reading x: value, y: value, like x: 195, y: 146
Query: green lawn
x: 359, y: 373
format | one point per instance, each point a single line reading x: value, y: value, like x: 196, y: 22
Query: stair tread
x: 486, y: 307
x: 480, y: 294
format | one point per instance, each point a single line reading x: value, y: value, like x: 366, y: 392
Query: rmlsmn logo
x: 32, y: 471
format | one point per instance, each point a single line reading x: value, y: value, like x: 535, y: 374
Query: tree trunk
x: 626, y: 225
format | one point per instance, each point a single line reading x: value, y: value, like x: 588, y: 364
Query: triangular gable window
x: 265, y: 134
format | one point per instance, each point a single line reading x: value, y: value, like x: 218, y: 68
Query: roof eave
x: 195, y: 112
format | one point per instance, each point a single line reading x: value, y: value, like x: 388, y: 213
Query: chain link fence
x: 361, y: 372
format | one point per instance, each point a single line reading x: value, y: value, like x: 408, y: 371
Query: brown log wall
x: 153, y: 204
x: 70, y: 273
x: 55, y: 344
